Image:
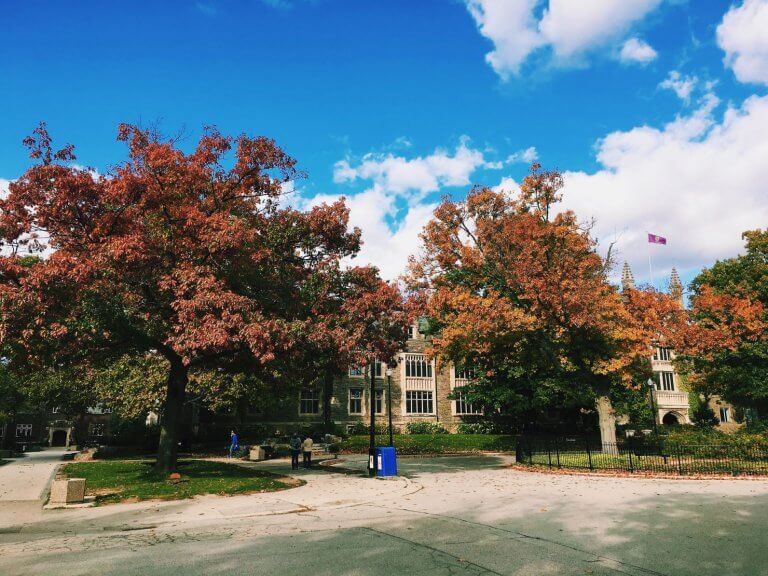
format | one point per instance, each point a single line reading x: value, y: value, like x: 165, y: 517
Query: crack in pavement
x: 521, y: 535
x: 434, y: 550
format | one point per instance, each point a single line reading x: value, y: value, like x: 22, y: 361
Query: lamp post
x: 389, y: 404
x: 651, y: 385
x: 372, y: 444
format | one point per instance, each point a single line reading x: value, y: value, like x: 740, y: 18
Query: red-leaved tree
x: 189, y: 256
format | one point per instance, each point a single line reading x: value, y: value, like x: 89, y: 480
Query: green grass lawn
x: 686, y: 464
x: 119, y: 480
x: 435, y: 443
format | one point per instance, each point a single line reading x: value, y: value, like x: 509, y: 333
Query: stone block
x: 257, y: 453
x: 68, y: 491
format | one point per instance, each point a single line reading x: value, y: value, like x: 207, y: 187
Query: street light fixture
x: 372, y: 443
x: 389, y: 404
x: 651, y: 385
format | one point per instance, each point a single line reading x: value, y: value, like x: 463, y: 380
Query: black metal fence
x: 639, y: 455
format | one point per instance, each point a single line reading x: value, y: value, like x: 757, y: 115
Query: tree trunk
x: 8, y: 429
x: 327, y: 397
x: 607, y: 418
x: 170, y: 422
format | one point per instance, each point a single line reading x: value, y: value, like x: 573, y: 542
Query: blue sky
x: 655, y: 109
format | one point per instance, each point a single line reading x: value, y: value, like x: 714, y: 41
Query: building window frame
x: 24, y: 430
x: 309, y: 401
x: 662, y: 353
x: 419, y: 402
x: 417, y: 366
x: 463, y: 407
x: 725, y: 414
x: 665, y: 381
x: 379, y: 392
x: 356, y: 401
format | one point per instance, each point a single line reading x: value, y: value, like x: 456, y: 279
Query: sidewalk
x: 27, y: 478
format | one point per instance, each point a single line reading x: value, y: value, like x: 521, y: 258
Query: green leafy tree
x: 726, y: 349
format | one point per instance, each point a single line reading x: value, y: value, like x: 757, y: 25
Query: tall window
x: 364, y: 370
x: 725, y: 415
x: 23, y: 430
x: 661, y: 353
x: 379, y: 401
x: 465, y: 374
x: 97, y: 429
x: 309, y: 401
x: 418, y: 402
x: 666, y: 381
x: 417, y: 366
x: 464, y: 407
x: 356, y: 401
x: 410, y: 332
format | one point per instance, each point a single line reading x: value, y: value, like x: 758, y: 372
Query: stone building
x: 44, y: 427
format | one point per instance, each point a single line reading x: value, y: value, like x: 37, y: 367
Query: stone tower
x: 676, y: 287
x: 627, y: 279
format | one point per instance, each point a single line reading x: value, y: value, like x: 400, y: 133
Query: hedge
x: 435, y: 444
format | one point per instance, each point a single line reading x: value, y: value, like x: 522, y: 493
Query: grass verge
x: 434, y: 443
x: 135, y: 480
x: 686, y: 465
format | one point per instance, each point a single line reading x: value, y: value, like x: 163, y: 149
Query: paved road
x: 26, y: 478
x: 446, y: 516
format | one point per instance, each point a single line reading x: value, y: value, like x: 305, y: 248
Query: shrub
x: 484, y: 427
x: 410, y: 444
x: 425, y: 428
x: 360, y: 428
x: 703, y: 416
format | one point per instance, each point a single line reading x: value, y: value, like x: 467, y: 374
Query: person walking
x: 234, y: 444
x: 306, y: 446
x: 295, y: 444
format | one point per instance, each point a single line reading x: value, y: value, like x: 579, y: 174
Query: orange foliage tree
x: 517, y: 291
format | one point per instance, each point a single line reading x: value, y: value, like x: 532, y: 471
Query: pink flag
x: 654, y: 239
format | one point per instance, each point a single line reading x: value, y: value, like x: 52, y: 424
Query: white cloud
x: 422, y: 174
x: 699, y: 181
x: 681, y: 85
x: 392, y: 210
x: 570, y: 29
x: 574, y: 27
x: 384, y: 246
x: 637, y: 51
x: 743, y: 35
x: 512, y: 28
x: 526, y: 156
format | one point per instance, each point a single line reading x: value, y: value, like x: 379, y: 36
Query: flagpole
x: 650, y: 266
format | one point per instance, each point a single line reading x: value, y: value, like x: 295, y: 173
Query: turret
x: 676, y: 287
x: 627, y: 279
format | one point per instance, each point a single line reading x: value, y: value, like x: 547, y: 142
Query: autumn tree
x: 725, y: 350
x: 361, y: 318
x: 518, y: 293
x: 188, y: 257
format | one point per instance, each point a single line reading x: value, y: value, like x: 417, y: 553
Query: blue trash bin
x: 386, y: 461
